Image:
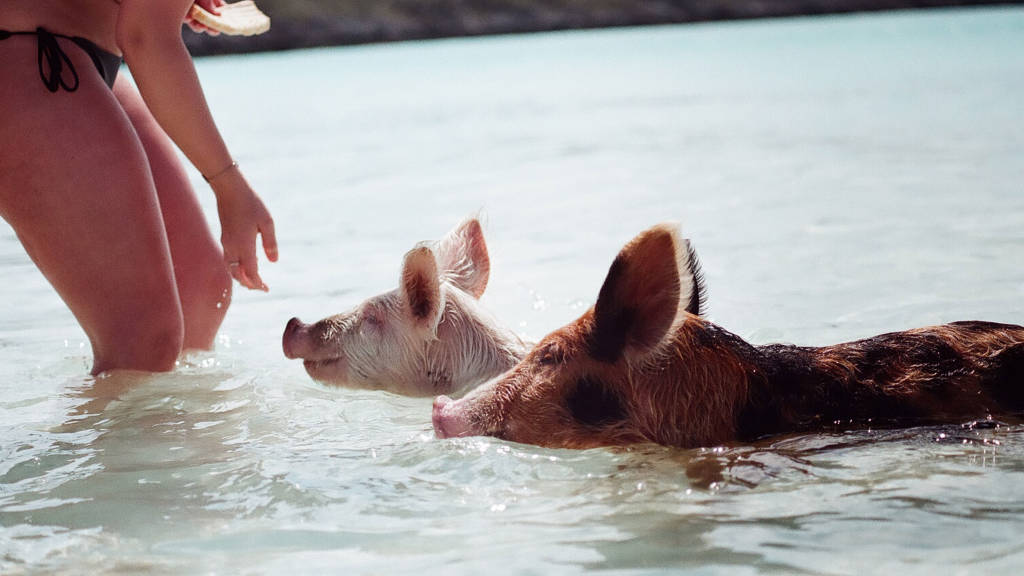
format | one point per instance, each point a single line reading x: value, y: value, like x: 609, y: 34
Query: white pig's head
x: 427, y: 337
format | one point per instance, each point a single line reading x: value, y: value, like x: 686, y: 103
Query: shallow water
x: 840, y: 177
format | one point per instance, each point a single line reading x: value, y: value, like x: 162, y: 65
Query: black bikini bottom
x: 53, y: 61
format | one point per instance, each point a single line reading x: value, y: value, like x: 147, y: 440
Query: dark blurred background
x: 308, y: 23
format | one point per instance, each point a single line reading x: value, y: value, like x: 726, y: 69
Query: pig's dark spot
x: 593, y: 403
x: 1005, y: 382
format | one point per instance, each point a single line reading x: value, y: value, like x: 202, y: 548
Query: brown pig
x: 429, y: 336
x: 643, y: 366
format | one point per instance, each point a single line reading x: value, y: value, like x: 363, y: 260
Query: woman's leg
x: 204, y: 283
x: 76, y: 187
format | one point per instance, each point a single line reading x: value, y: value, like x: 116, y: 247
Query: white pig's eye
x: 372, y: 320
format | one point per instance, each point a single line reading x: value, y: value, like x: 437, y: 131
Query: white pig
x: 429, y: 336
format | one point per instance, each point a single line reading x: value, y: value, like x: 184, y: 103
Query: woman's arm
x: 149, y: 35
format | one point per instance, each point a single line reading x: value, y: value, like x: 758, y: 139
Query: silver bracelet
x: 210, y: 179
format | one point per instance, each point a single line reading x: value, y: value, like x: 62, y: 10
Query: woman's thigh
x: 76, y: 187
x: 204, y: 284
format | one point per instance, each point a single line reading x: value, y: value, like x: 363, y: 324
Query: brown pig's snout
x: 449, y: 421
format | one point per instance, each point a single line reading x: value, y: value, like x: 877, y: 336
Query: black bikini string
x: 52, y: 60
x: 55, y: 59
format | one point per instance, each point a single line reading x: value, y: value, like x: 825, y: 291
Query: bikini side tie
x: 53, y: 61
x: 54, y: 58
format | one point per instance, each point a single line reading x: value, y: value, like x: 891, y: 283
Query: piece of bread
x: 236, y: 19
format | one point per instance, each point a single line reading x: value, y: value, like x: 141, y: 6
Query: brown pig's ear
x: 421, y: 288
x: 647, y: 285
x: 464, y: 259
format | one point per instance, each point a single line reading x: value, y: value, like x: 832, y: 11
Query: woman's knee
x: 151, y: 343
x: 161, y: 343
x: 218, y: 286
x: 204, y: 288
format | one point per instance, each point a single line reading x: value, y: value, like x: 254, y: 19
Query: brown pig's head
x: 429, y: 336
x: 613, y: 376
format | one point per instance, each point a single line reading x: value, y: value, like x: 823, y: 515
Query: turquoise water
x: 840, y: 177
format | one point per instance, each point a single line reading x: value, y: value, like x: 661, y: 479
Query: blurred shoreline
x: 312, y: 23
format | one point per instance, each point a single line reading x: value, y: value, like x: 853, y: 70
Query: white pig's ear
x: 421, y: 288
x: 463, y: 257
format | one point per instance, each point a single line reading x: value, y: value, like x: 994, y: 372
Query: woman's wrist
x: 233, y: 166
x: 231, y: 188
x: 227, y: 182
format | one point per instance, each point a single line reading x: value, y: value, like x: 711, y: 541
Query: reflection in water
x: 791, y: 503
x: 811, y: 455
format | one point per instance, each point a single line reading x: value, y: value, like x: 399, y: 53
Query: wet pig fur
x: 429, y: 336
x: 643, y: 366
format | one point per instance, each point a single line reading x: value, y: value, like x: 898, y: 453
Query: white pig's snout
x: 291, y: 340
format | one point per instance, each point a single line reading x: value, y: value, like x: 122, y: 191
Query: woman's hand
x: 211, y: 6
x: 243, y: 216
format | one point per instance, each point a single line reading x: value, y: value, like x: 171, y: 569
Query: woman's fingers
x: 235, y: 269
x: 245, y: 269
x: 200, y: 28
x: 211, y: 6
x: 246, y: 273
x: 269, y: 239
x: 251, y: 273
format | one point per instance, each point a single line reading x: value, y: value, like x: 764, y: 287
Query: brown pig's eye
x: 551, y: 354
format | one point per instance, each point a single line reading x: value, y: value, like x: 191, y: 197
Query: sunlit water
x: 840, y: 177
